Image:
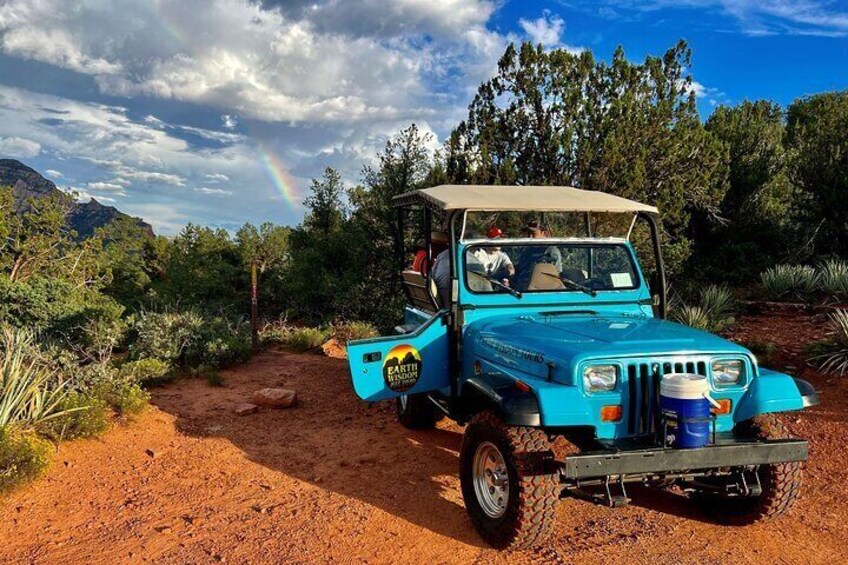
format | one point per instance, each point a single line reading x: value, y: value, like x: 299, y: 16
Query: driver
x: 494, y: 261
x: 531, y: 255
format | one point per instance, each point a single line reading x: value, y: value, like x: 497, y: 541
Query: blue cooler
x: 685, y: 406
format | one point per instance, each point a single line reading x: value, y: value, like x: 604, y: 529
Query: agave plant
x: 833, y: 278
x: 719, y: 305
x: 790, y: 281
x: 834, y: 358
x: 30, y: 393
x: 692, y: 316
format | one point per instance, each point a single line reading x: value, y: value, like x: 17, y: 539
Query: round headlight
x: 727, y: 372
x: 600, y: 378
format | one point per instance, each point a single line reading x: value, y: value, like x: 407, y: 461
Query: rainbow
x: 281, y: 179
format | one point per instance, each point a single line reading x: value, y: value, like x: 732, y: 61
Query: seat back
x: 545, y: 277
x: 417, y: 293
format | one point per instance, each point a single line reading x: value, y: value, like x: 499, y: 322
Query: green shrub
x: 347, y: 331
x: 790, y: 282
x: 127, y: 399
x: 23, y: 457
x: 30, y: 391
x: 86, y: 415
x: 713, y: 312
x: 833, y: 279
x: 81, y: 319
x: 225, y: 351
x: 210, y: 373
x: 719, y: 304
x: 692, y: 316
x: 118, y: 389
x: 831, y: 354
x: 147, y: 371
x: 165, y: 335
x: 305, y: 339
x: 188, y: 339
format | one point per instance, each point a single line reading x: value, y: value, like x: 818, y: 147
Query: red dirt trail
x: 336, y: 481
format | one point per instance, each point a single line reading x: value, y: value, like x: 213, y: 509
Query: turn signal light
x: 724, y: 406
x: 611, y: 413
x: 522, y: 386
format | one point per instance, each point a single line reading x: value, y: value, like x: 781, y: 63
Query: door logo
x: 402, y: 368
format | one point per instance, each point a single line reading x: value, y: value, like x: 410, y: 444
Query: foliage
x: 23, y: 457
x: 86, y: 415
x: 817, y: 138
x: 693, y: 316
x: 210, y: 374
x: 630, y: 129
x: 831, y: 354
x: 787, y: 282
x: 329, y: 257
x: 305, y: 339
x: 347, y: 331
x: 147, y: 371
x: 189, y: 338
x: 201, y: 266
x: 833, y: 278
x: 756, y: 227
x: 29, y: 391
x: 714, y: 311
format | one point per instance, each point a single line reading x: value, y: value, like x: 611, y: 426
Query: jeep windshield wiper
x: 574, y: 285
x: 506, y: 287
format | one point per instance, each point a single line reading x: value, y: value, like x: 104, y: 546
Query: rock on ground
x: 246, y: 409
x: 275, y: 397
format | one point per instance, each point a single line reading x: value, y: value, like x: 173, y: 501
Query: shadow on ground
x: 331, y: 439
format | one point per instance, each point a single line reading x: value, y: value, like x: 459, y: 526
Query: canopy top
x: 496, y: 198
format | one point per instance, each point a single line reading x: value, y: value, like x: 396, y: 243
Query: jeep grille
x: 643, y: 378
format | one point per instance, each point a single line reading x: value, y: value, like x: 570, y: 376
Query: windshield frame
x: 472, y: 245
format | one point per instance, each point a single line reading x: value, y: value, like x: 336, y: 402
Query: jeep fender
x: 499, y: 393
x: 771, y: 391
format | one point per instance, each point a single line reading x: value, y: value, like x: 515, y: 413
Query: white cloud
x: 107, y: 186
x: 150, y: 166
x: 19, y: 147
x: 229, y: 121
x: 285, y: 65
x: 215, y: 191
x: 165, y: 218
x: 546, y: 30
x: 52, y: 173
x: 758, y: 17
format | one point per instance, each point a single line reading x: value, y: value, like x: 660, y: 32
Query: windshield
x: 549, y: 266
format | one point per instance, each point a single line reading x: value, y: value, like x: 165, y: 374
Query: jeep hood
x: 531, y: 342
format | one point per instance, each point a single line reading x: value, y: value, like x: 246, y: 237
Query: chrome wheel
x: 491, y: 480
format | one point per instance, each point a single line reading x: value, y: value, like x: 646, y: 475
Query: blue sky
x: 220, y: 111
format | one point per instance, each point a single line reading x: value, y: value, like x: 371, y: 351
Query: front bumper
x: 658, y: 460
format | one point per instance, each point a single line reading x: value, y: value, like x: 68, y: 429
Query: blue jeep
x: 555, y: 365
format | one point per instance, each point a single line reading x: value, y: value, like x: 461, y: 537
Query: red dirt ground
x: 336, y: 481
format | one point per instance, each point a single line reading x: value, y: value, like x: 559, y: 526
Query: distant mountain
x: 83, y: 218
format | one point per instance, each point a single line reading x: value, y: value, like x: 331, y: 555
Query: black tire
x: 781, y: 482
x: 418, y: 412
x: 530, y: 508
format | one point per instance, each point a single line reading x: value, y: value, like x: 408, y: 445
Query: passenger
x: 532, y: 255
x: 495, y: 262
x: 552, y: 254
x: 421, y: 262
x: 441, y: 276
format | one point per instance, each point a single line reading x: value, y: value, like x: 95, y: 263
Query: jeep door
x: 387, y: 367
